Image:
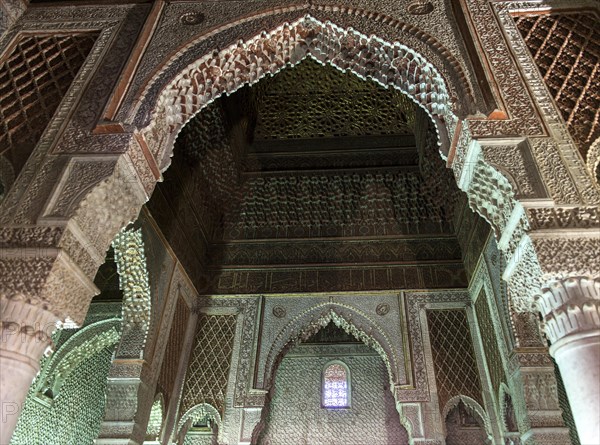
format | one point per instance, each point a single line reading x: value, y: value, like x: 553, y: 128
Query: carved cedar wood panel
x: 566, y: 49
x: 34, y: 77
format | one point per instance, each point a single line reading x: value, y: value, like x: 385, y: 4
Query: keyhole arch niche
x: 332, y: 335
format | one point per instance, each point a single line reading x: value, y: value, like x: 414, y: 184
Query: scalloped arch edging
x: 246, y: 62
x: 312, y: 320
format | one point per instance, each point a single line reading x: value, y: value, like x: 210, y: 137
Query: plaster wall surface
x: 296, y: 415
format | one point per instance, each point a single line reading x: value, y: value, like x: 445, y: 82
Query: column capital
x: 26, y: 331
x: 570, y: 306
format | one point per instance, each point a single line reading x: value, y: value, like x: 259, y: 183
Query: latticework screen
x: 34, y: 78
x: 493, y: 358
x: 170, y: 363
x: 454, y: 359
x: 566, y: 49
x: 208, y: 371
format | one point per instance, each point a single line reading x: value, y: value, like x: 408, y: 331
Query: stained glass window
x: 335, y: 386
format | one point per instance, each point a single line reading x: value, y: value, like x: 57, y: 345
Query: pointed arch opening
x: 328, y: 384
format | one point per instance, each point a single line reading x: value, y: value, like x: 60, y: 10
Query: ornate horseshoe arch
x: 346, y: 317
x: 83, y: 345
x: 392, y: 65
x: 245, y: 63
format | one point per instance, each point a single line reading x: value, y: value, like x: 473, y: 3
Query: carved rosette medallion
x: 279, y: 312
x: 192, y: 18
x: 382, y: 309
x: 420, y: 8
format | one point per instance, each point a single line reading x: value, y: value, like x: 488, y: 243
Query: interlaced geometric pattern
x: 453, y: 355
x: 566, y: 49
x: 208, y: 370
x: 335, y: 386
x: 490, y: 345
x: 312, y: 101
x: 168, y: 371
x: 33, y: 80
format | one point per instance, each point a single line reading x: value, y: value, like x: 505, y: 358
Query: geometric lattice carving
x: 208, y: 371
x: 566, y: 50
x: 173, y: 351
x: 33, y: 80
x: 74, y: 416
x: 490, y: 345
x: 391, y: 200
x: 313, y: 100
x: 454, y: 359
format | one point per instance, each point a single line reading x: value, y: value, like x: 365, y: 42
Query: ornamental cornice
x: 569, y: 306
x: 565, y: 253
x: 49, y: 280
x: 529, y: 358
x: 548, y: 218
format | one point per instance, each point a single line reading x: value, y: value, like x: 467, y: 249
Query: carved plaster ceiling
x: 311, y: 169
x: 317, y: 101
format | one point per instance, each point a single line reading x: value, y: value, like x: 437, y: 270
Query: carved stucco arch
x: 411, y: 424
x: 156, y: 418
x: 116, y: 200
x: 472, y: 405
x: 593, y: 160
x: 144, y: 97
x: 81, y: 346
x: 369, y: 57
x: 343, y: 316
x: 247, y: 62
x: 197, y: 412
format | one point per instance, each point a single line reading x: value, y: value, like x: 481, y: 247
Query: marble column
x: 26, y: 334
x: 571, y: 311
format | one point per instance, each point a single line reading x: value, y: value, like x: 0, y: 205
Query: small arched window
x: 336, y: 385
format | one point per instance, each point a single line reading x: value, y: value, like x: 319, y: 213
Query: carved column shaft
x: 26, y: 333
x: 186, y: 349
x: 571, y: 311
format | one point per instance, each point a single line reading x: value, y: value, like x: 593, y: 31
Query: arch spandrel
x: 350, y: 319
